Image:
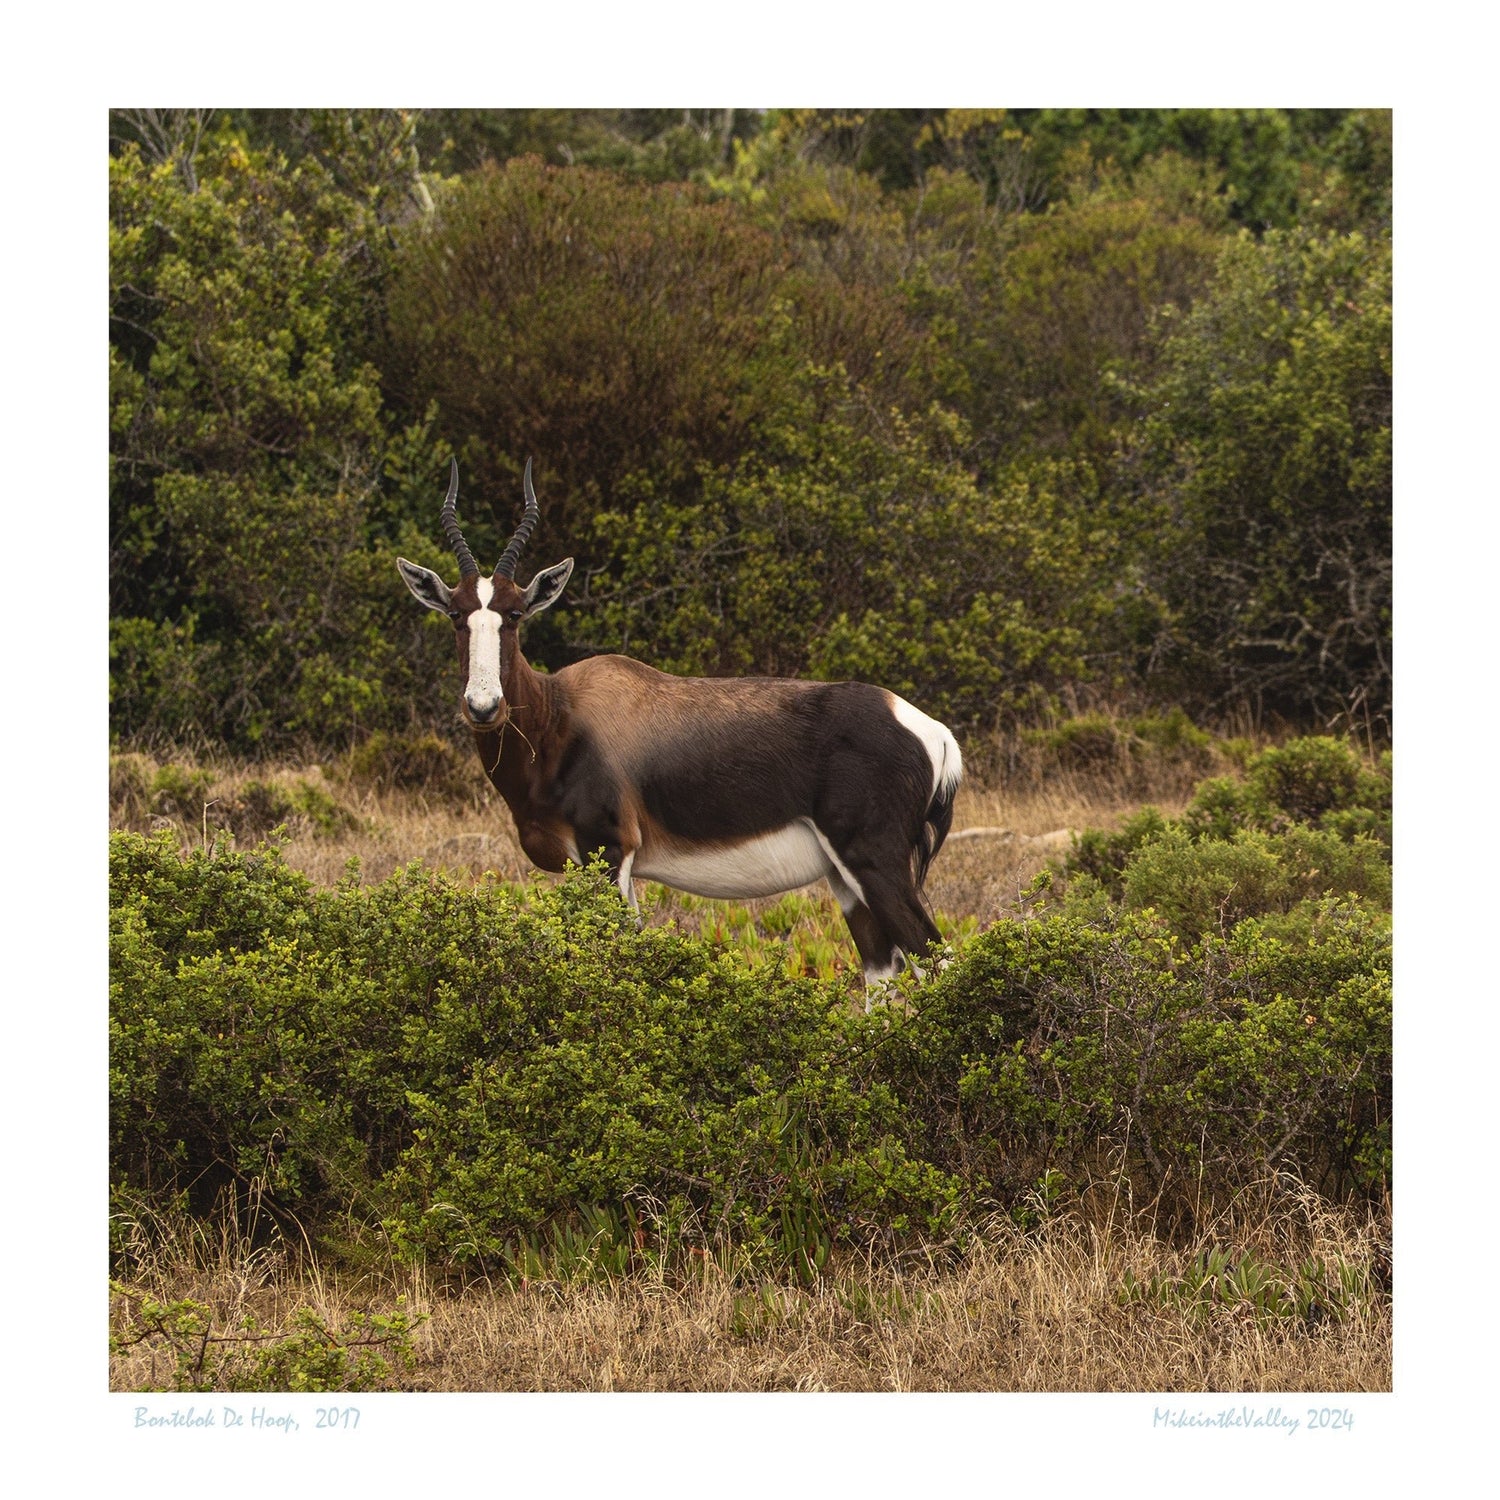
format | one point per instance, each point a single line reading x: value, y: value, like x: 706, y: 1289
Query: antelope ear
x: 426, y: 585
x: 547, y: 586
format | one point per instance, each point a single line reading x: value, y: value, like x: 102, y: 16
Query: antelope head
x: 486, y: 612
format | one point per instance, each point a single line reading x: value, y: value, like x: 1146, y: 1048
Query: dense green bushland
x: 1308, y: 816
x: 461, y: 1071
x: 1001, y: 409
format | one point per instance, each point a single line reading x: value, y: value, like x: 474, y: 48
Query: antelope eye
x: 515, y: 614
x: 456, y: 615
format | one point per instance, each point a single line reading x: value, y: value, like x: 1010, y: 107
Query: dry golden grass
x: 1043, y: 1311
x: 1002, y: 836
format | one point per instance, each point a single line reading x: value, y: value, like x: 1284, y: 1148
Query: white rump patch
x: 937, y: 740
x: 484, y: 646
x: 761, y: 866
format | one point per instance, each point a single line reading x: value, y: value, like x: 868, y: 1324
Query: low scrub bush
x: 1213, y: 884
x: 1317, y: 781
x: 1133, y: 747
x: 142, y: 793
x: 301, y: 803
x: 410, y: 762
x: 181, y: 792
x: 1307, y: 818
x: 509, y: 1075
x: 364, y: 1354
x: 1088, y: 1043
x: 460, y: 1064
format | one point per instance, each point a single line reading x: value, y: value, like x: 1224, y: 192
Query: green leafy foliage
x: 1140, y: 746
x: 1309, y: 818
x: 462, y: 1065
x: 1202, y: 885
x: 1266, y: 450
x: 1071, y: 298
x: 989, y: 406
x: 420, y: 762
x: 627, y: 330
x: 1055, y: 1041
x: 366, y: 1354
x: 527, y: 1079
x: 848, y: 546
x: 246, y: 440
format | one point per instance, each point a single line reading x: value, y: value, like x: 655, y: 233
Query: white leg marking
x: 845, y: 897
x: 875, y: 973
x: 839, y: 865
x: 879, y: 976
x: 627, y: 885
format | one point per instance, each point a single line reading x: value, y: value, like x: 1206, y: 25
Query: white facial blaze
x: 484, y: 649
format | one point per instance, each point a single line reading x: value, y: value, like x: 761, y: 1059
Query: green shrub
x: 259, y: 806
x: 513, y: 1076
x: 414, y: 762
x: 1145, y: 752
x: 1097, y: 741
x: 312, y: 1356
x: 1210, y: 885
x: 1091, y: 742
x: 1223, y: 806
x: 1317, y: 780
x: 464, y: 1065
x: 181, y: 792
x: 1074, y: 1044
x: 1306, y: 778
x: 1172, y: 733
x: 1263, y: 457
x: 322, y: 810
x: 1102, y: 857
x: 1309, y: 816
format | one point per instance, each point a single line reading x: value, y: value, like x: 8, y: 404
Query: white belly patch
x: 762, y: 866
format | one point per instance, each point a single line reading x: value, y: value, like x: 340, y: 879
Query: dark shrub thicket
x: 847, y: 548
x: 250, y: 591
x: 611, y: 328
x: 1265, y: 453
x: 460, y: 1069
x: 991, y: 416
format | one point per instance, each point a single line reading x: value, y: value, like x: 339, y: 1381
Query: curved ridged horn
x: 506, y: 567
x: 467, y: 567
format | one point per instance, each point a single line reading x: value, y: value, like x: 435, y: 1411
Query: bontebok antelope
x: 729, y: 787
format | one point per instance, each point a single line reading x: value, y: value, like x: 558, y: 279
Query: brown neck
x: 519, y: 757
